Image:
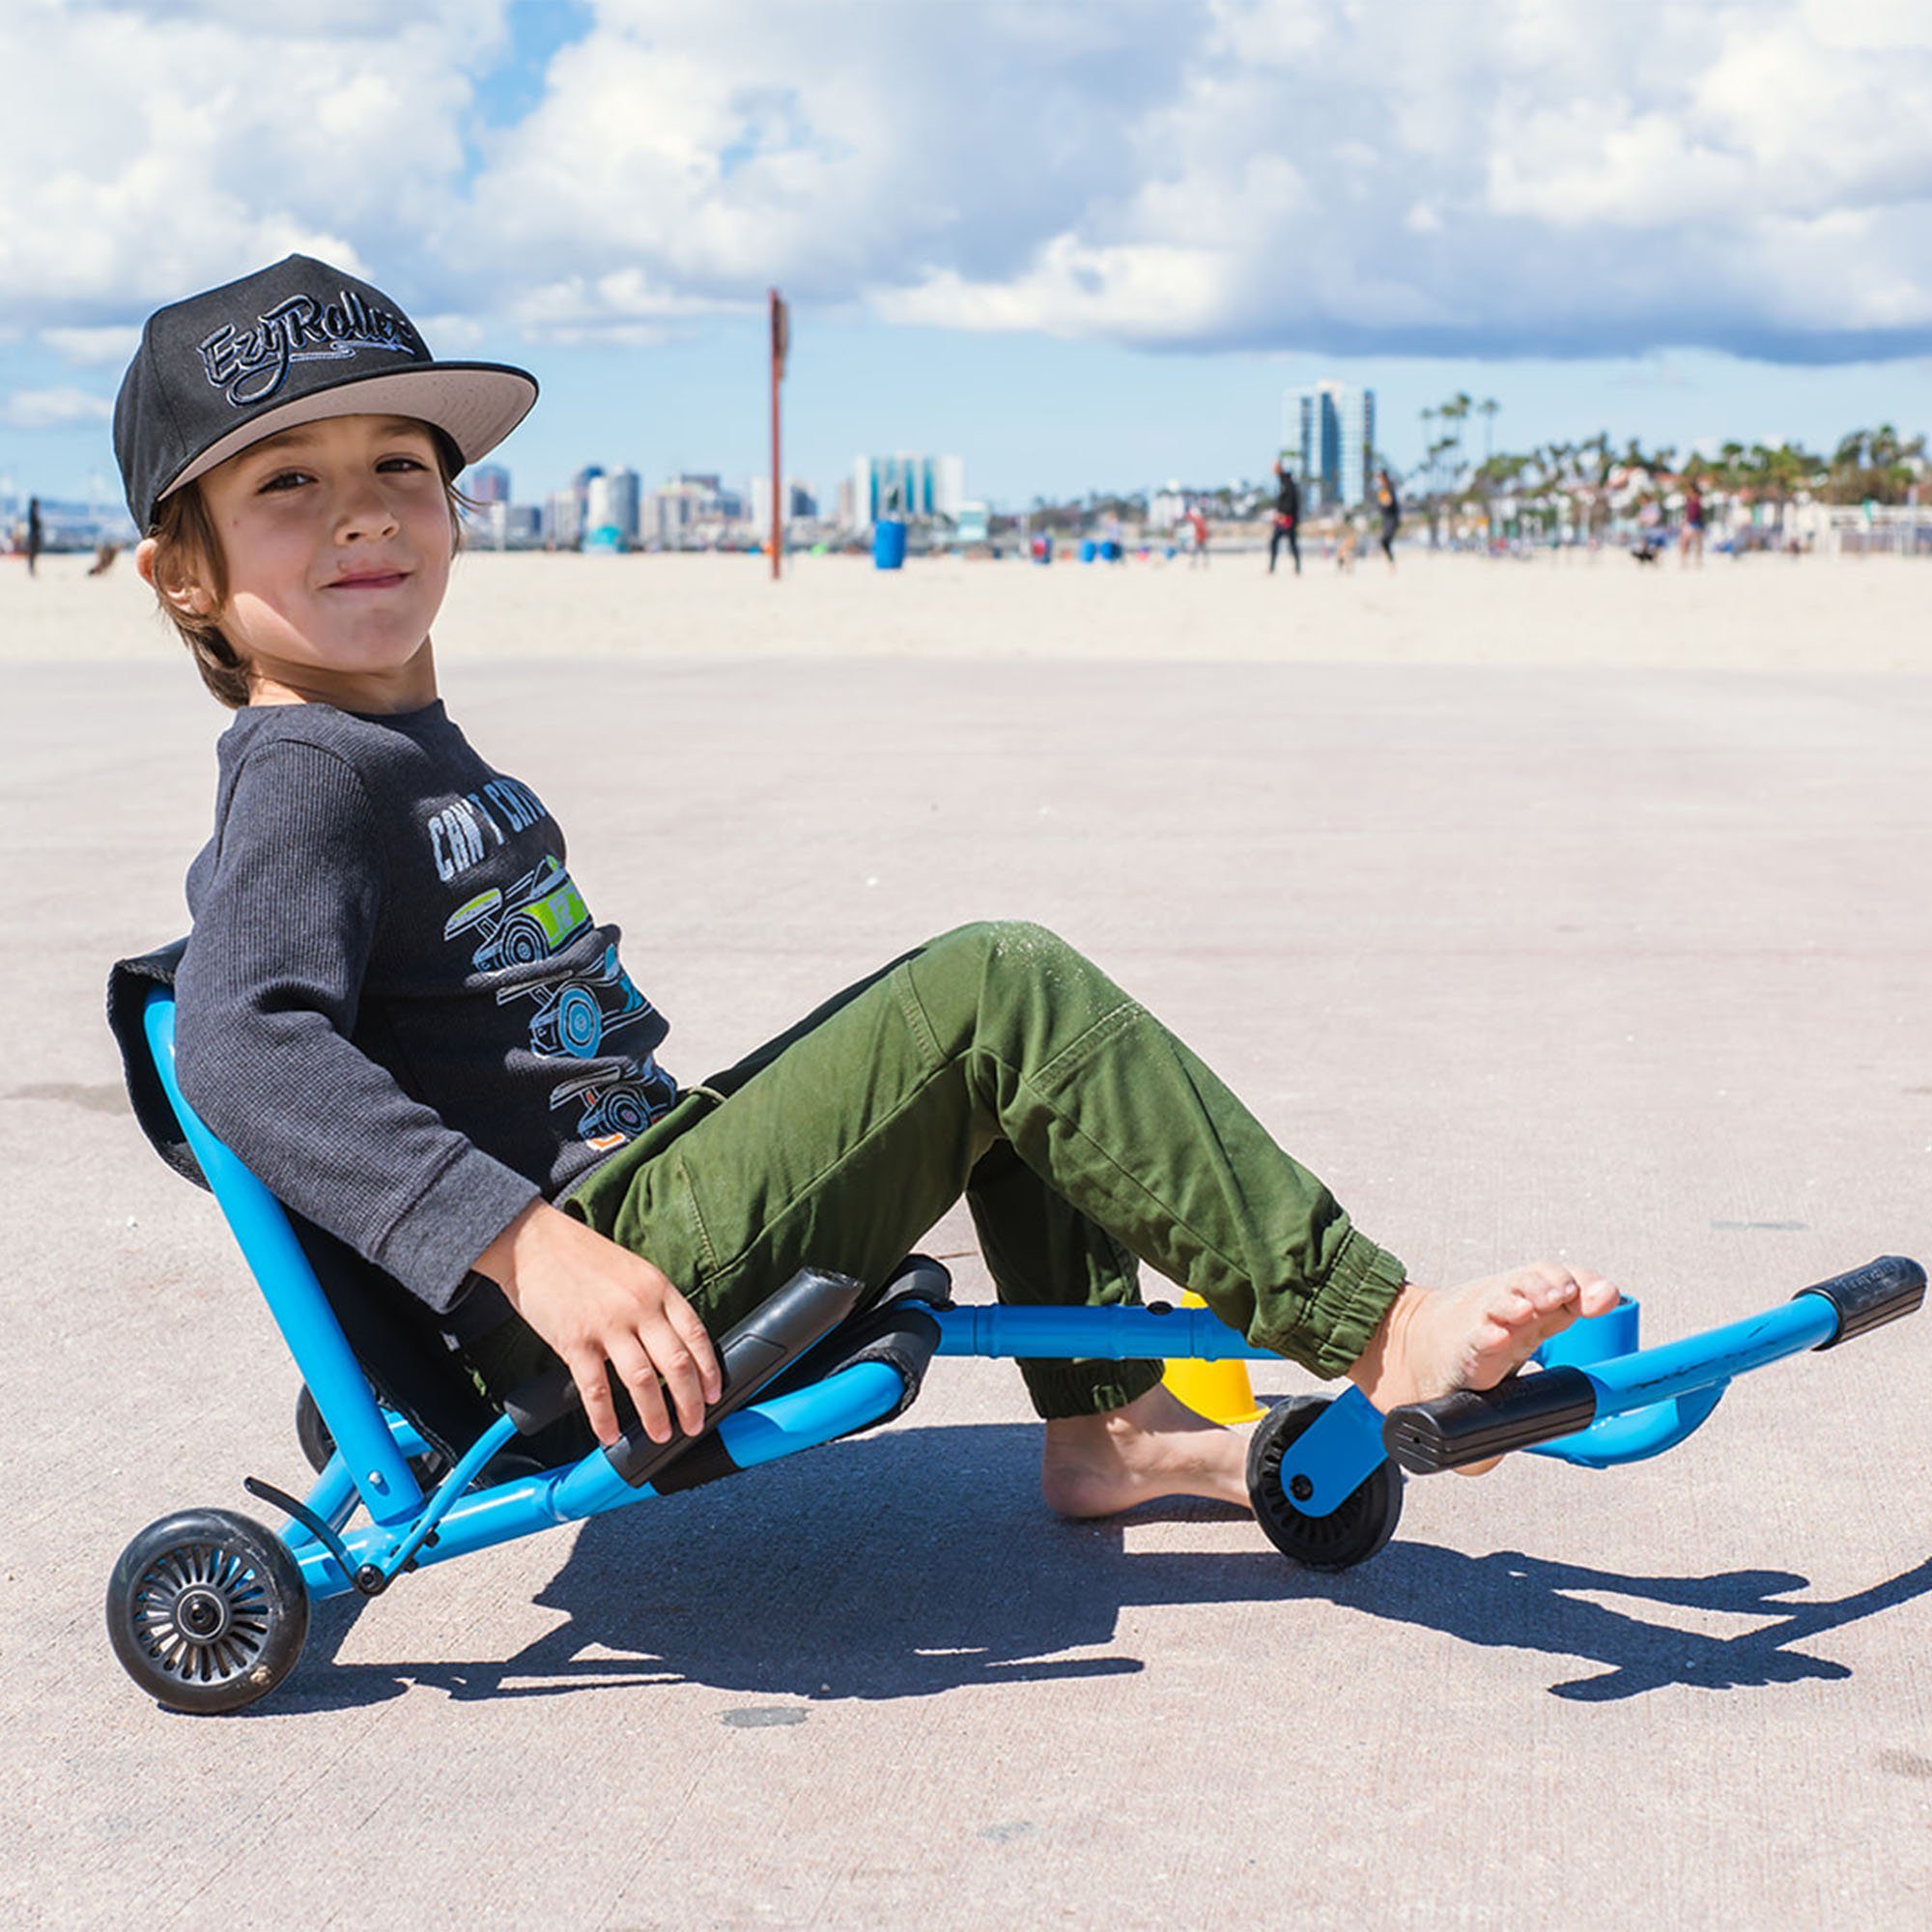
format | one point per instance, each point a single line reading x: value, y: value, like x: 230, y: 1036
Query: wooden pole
x: 781, y: 333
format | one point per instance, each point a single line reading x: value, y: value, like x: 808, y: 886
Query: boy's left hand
x: 598, y: 1304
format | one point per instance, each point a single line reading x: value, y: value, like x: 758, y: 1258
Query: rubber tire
x: 1350, y: 1533
x: 239, y: 1571
x: 317, y: 1445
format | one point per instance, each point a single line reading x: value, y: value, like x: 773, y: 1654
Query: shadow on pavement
x: 919, y: 1560
x: 1525, y: 1603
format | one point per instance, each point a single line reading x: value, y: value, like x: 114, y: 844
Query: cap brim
x: 477, y: 405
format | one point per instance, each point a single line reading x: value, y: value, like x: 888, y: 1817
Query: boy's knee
x: 1006, y: 946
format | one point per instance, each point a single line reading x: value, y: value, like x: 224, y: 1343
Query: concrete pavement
x: 1627, y: 967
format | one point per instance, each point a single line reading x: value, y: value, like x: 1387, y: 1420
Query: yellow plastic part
x: 1218, y: 1390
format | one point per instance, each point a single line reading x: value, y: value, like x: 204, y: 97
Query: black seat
x: 396, y: 1339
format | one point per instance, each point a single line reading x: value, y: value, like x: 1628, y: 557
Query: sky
x: 1083, y: 245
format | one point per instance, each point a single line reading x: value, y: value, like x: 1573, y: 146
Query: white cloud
x: 53, y: 409
x: 114, y: 344
x: 1417, y: 175
x: 147, y: 150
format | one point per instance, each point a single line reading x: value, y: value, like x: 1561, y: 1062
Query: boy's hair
x: 187, y: 550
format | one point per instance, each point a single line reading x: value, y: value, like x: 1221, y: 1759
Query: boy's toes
x: 1551, y: 1286
x: 1599, y: 1297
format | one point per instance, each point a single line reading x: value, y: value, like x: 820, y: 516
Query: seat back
x: 357, y: 1334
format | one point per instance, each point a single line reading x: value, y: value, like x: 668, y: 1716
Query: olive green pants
x: 996, y: 1062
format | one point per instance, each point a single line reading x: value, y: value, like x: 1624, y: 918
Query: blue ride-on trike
x: 208, y: 1609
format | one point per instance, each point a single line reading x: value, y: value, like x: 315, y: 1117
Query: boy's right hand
x: 596, y: 1303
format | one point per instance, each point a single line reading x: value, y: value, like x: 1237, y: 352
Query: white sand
x: 1763, y: 613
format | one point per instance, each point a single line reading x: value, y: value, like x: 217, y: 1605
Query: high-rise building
x: 488, y: 483
x: 690, y: 508
x: 948, y: 486
x: 1328, y: 438
x: 580, y: 488
x: 798, y: 500
x: 905, y: 485
x: 562, y: 520
x: 610, y: 503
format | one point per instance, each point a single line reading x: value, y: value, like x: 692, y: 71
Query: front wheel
x: 1348, y: 1534
x: 206, y: 1610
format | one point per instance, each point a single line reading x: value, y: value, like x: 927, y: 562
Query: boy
x: 398, y: 1009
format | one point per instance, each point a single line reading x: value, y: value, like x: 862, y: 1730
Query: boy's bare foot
x: 1156, y: 1446
x: 1435, y: 1340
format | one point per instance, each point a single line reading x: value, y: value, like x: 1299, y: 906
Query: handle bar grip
x: 775, y: 1333
x: 808, y: 1307
x: 1870, y: 1296
x: 1472, y: 1425
x: 536, y: 1404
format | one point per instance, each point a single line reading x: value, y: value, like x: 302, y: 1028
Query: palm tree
x: 1875, y: 464
x: 1782, y: 472
x: 1487, y: 409
x: 1457, y: 411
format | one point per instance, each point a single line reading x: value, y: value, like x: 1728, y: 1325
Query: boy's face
x: 337, y: 541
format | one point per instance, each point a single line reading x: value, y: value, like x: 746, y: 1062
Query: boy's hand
x: 597, y: 1303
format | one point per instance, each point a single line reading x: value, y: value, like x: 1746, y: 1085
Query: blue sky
x: 1082, y: 246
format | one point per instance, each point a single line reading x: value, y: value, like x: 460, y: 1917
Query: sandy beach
x: 1757, y: 615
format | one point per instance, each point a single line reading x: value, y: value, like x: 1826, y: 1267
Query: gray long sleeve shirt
x: 395, y: 1006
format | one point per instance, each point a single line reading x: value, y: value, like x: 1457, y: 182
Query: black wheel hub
x: 202, y: 1615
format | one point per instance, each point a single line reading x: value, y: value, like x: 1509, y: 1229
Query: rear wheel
x: 206, y: 1610
x: 317, y: 1445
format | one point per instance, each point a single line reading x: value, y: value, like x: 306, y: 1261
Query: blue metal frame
x: 1647, y: 1399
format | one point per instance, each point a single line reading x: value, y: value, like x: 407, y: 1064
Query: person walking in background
x: 1691, y: 542
x: 1287, y: 516
x: 1197, y: 529
x: 1391, y: 509
x: 35, y: 536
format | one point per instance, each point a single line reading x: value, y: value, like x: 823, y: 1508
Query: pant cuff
x: 1060, y: 1389
x: 1340, y: 1319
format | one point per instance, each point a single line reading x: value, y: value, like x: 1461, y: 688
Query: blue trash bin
x: 1109, y: 550
x: 889, y: 535
x: 1088, y: 550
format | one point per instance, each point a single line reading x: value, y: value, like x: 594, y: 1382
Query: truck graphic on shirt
x: 617, y: 1107
x: 539, y: 915
x: 575, y: 1015
x: 577, y: 1010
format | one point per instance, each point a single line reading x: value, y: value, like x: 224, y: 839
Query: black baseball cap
x: 291, y: 344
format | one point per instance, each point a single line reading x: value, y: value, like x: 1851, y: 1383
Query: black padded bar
x: 805, y: 1309
x: 1474, y: 1425
x: 1870, y: 1296
x: 536, y: 1404
x: 920, y: 1278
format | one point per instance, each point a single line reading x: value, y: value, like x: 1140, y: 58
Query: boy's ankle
x: 1384, y: 1361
